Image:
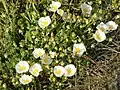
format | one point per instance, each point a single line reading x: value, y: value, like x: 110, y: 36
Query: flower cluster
x: 46, y: 59
x: 78, y: 48
x: 45, y: 21
x: 102, y: 29
x: 23, y: 67
x: 68, y: 70
x: 55, y: 7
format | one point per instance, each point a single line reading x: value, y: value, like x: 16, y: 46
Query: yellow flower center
x: 26, y: 81
x: 46, y: 60
x: 35, y: 71
x: 69, y: 71
x: 77, y: 50
x: 55, y: 7
x: 102, y: 29
x: 58, y: 71
x: 22, y: 68
x: 39, y: 53
x: 98, y: 36
x: 85, y: 9
x: 110, y: 27
x: 45, y: 23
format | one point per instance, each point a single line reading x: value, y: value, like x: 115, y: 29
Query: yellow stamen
x: 46, y: 60
x: 55, y: 7
x: 22, y: 68
x: 85, y: 9
x: 39, y: 53
x: 58, y: 71
x: 26, y: 81
x: 77, y: 50
x: 69, y: 71
x: 35, y: 71
x: 110, y: 27
x: 45, y: 23
x: 102, y: 29
x: 98, y: 36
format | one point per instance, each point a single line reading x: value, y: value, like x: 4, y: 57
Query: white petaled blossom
x: 52, y: 54
x: 35, y: 69
x: 46, y: 59
x: 22, y: 67
x: 25, y: 79
x: 111, y: 25
x: 38, y: 52
x: 86, y: 9
x: 59, y: 71
x: 60, y: 12
x: 102, y: 27
x: 70, y: 70
x: 54, y: 6
x: 79, y: 49
x: 44, y: 22
x: 99, y: 36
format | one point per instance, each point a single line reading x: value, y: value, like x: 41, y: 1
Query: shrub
x: 27, y: 25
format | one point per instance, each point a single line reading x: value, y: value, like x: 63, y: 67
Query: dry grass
x: 102, y: 76
x: 105, y: 75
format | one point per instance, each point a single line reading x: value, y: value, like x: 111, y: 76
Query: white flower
x: 25, y: 79
x: 102, y: 27
x: 52, y: 54
x: 54, y: 6
x: 70, y: 70
x: 59, y: 71
x: 35, y: 69
x: 86, y: 9
x: 46, y: 59
x: 79, y: 49
x: 60, y: 12
x: 111, y: 25
x: 22, y: 67
x: 44, y: 22
x: 99, y: 36
x: 38, y: 52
